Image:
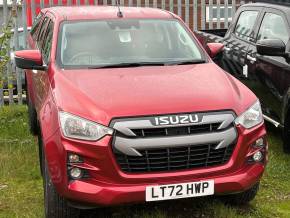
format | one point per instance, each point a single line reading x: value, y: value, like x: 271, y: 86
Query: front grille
x: 175, y: 158
x: 176, y: 131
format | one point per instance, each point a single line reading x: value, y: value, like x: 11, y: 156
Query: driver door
x: 40, y: 78
x: 269, y: 76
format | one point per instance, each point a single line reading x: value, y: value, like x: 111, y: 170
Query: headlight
x: 78, y: 128
x: 252, y: 117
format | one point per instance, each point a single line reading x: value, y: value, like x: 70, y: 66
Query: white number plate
x: 183, y: 190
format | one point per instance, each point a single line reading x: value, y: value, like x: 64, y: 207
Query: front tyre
x: 55, y: 205
x: 32, y: 118
x: 243, y: 197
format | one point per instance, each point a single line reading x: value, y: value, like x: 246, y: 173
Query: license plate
x: 176, y: 191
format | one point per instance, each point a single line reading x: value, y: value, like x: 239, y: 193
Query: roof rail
x: 279, y: 2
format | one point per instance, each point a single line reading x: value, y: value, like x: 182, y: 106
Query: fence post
x: 147, y: 4
x: 171, y: 6
x: 16, y: 44
x: 179, y: 9
x: 8, y: 66
x: 233, y: 8
x: 24, y: 18
x: 210, y: 14
x: 5, y: 19
x: 218, y: 11
x: 187, y: 12
x: 195, y: 22
x: 163, y: 4
x: 5, y: 12
x: 154, y: 3
x: 226, y: 14
x: 203, y: 14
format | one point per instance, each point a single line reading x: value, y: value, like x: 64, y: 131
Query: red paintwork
x: 215, y: 48
x: 33, y: 55
x: 102, y: 94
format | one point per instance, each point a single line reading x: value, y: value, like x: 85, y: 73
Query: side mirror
x: 271, y: 47
x: 29, y: 59
x: 215, y: 49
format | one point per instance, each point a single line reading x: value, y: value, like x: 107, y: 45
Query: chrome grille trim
x: 125, y: 126
x: 129, y: 146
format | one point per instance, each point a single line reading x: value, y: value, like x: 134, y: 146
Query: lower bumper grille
x: 175, y: 158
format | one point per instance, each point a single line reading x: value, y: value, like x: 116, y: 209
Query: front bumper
x: 108, y: 185
x: 104, y: 194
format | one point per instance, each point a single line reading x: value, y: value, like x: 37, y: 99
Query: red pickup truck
x: 129, y: 107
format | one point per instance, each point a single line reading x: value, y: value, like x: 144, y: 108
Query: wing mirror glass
x: 29, y: 59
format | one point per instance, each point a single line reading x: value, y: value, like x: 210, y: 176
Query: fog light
x: 260, y: 142
x: 76, y: 173
x: 258, y: 156
x: 74, y: 158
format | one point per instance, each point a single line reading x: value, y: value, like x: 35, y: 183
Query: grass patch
x: 21, y: 193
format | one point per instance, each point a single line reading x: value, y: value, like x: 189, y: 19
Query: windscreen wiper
x: 135, y: 64
x: 186, y: 62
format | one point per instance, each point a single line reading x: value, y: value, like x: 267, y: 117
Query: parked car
x: 257, y: 52
x: 124, y: 118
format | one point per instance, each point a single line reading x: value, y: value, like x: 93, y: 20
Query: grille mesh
x: 175, y: 158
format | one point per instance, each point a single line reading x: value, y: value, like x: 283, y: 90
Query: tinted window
x: 35, y: 27
x: 273, y: 27
x: 46, y: 46
x: 245, y: 24
x: 42, y: 32
x: 95, y: 43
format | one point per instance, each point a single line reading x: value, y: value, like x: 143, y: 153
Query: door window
x: 36, y: 26
x: 46, y: 46
x: 41, y: 35
x: 273, y: 27
x: 245, y: 24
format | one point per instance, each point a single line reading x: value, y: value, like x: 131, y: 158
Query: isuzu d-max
x: 129, y: 107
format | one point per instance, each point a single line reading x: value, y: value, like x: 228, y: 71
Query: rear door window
x: 245, y: 25
x: 273, y: 27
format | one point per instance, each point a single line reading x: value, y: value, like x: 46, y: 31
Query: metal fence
x: 198, y: 14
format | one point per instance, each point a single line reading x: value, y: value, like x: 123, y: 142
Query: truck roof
x: 105, y: 12
x: 279, y: 6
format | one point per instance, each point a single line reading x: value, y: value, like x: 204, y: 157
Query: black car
x: 257, y: 52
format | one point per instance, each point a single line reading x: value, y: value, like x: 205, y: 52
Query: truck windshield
x: 125, y: 42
